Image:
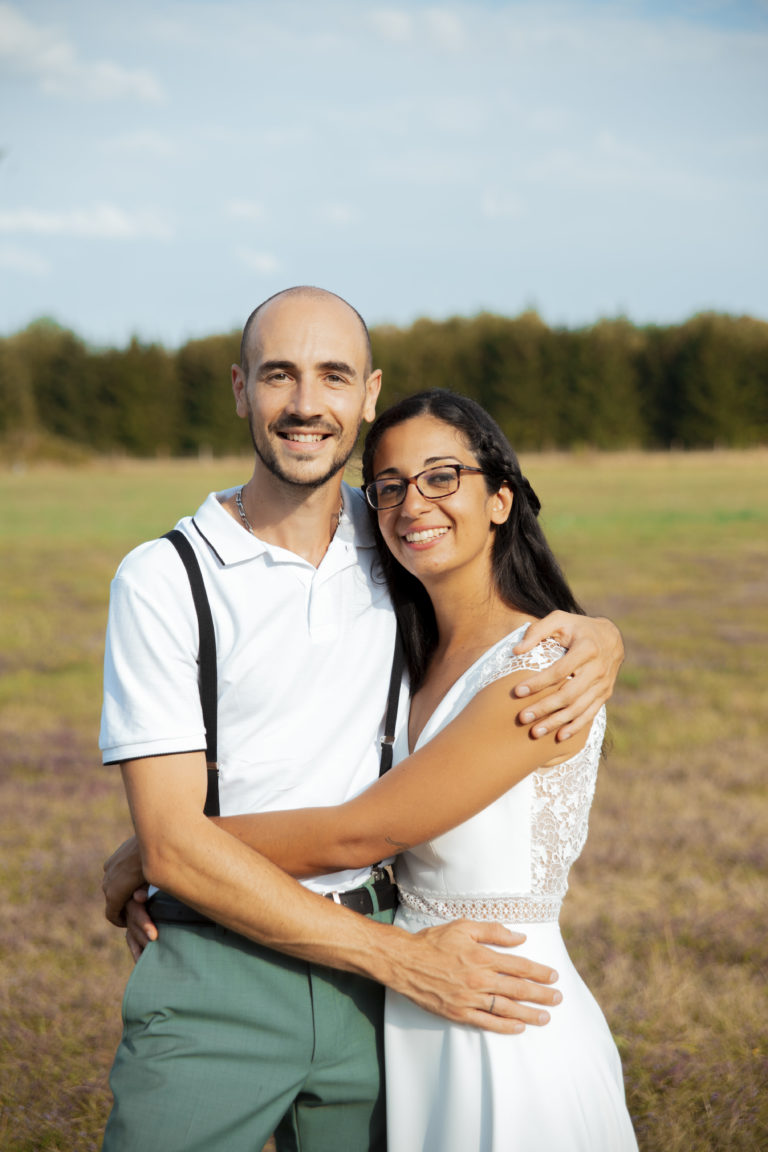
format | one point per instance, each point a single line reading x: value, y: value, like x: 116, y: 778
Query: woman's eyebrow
x: 430, y: 460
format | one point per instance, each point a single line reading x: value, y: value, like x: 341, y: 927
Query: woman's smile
x: 424, y: 535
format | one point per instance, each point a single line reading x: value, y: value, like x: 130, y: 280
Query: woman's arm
x: 482, y: 753
x: 467, y: 766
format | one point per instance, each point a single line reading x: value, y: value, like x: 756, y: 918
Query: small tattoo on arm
x: 396, y: 845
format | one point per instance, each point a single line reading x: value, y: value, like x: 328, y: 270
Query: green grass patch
x: 666, y: 913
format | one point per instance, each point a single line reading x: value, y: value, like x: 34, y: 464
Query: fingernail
x: 543, y: 1017
x: 541, y: 730
x: 558, y: 996
x: 554, y: 978
x: 527, y: 717
x: 522, y: 690
x: 565, y: 735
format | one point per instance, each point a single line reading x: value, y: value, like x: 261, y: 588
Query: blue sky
x: 167, y: 166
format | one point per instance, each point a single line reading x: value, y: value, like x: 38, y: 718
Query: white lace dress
x: 452, y: 1088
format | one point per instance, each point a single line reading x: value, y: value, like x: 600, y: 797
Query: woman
x: 487, y: 820
x: 469, y: 569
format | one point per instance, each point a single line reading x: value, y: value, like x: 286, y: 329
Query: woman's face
x: 432, y: 537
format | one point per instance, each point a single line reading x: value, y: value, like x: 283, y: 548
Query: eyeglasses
x: 434, y: 483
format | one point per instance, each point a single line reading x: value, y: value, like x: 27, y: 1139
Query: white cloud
x: 47, y: 56
x: 392, y: 24
x: 262, y: 262
x: 23, y: 261
x: 445, y: 28
x: 144, y: 143
x: 496, y: 205
x: 103, y: 221
x: 436, y: 26
x: 250, y: 210
x: 339, y: 213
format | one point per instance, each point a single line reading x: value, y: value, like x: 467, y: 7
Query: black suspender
x: 206, y: 674
x: 208, y: 683
x: 393, y: 698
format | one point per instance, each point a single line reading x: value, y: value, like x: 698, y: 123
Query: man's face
x: 307, y: 392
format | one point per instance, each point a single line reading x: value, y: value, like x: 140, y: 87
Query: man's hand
x: 141, y: 927
x: 449, y: 970
x: 585, y: 675
x: 122, y: 876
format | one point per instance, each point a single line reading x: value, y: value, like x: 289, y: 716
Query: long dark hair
x: 524, y: 570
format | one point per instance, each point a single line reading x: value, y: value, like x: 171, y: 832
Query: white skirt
x: 558, y: 1088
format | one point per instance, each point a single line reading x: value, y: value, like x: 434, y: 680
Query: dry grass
x: 666, y: 915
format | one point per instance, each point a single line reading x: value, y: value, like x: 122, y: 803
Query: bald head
x: 307, y: 292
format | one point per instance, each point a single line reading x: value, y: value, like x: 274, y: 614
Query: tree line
x: 700, y: 384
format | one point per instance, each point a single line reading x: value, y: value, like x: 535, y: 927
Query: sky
x: 164, y: 167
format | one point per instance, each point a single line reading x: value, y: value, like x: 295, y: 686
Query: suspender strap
x: 390, y: 719
x: 206, y: 663
x: 207, y: 674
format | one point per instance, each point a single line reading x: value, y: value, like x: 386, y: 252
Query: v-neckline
x: 411, y: 748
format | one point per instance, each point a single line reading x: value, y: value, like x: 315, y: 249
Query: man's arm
x: 586, y: 674
x: 445, y: 970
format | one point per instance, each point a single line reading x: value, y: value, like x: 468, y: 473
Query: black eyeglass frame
x: 406, y: 481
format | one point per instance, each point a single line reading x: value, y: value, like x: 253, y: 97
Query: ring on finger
x: 493, y: 1001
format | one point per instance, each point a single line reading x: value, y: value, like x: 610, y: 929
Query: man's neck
x: 301, y: 520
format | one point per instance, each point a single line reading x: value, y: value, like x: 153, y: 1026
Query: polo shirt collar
x: 233, y: 545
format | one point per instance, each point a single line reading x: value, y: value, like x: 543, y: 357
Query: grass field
x: 666, y: 917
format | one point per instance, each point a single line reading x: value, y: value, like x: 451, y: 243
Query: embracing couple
x: 257, y: 1004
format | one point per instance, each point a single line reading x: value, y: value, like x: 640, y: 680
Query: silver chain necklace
x: 246, y: 521
x: 241, y: 510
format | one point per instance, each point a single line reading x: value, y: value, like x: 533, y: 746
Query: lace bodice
x: 511, y: 861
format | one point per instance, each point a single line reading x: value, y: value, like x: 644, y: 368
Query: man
x: 269, y: 1018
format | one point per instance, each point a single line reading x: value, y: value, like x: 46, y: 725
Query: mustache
x: 305, y: 426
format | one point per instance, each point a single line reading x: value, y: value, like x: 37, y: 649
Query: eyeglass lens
x: 432, y: 483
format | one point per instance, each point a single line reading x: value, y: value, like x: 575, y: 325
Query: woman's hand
x: 122, y: 876
x: 581, y: 682
x: 141, y: 928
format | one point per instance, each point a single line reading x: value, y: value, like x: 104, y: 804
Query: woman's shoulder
x: 501, y: 660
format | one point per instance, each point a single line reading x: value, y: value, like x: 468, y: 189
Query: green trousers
x: 225, y: 1043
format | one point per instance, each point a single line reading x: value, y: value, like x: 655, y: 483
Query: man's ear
x: 372, y: 389
x: 238, y: 389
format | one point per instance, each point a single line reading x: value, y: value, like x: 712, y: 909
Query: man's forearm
x: 447, y: 970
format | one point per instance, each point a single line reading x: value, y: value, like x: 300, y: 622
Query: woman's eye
x: 442, y: 479
x: 389, y: 491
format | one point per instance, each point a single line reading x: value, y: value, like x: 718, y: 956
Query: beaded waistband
x: 509, y: 910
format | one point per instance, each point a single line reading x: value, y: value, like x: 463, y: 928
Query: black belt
x: 379, y: 894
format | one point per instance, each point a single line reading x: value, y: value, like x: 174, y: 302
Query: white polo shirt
x: 303, y: 659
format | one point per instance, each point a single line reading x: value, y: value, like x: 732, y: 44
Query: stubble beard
x: 266, y: 454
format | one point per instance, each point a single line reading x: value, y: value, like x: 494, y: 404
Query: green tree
x: 207, y: 422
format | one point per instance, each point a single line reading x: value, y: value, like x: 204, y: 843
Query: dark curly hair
x: 525, y: 572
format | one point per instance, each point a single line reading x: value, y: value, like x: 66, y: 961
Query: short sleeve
x: 502, y: 660
x: 151, y: 701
